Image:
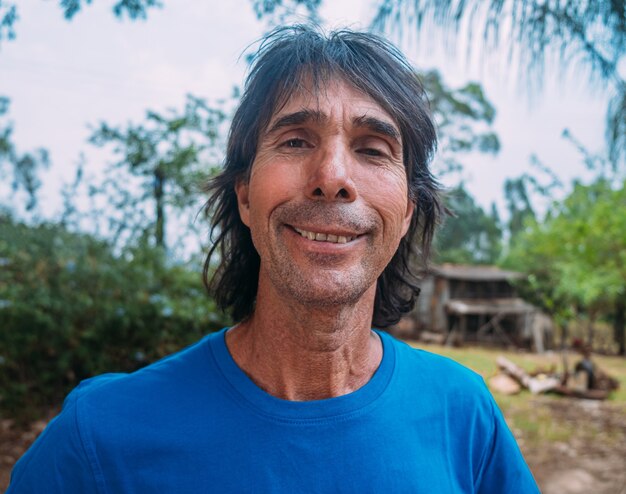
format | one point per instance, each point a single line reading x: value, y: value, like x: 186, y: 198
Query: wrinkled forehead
x: 314, y: 91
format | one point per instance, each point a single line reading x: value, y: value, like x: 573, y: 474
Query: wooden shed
x: 478, y: 304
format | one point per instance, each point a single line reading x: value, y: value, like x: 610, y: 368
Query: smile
x: 324, y: 237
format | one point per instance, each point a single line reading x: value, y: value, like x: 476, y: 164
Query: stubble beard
x: 326, y: 287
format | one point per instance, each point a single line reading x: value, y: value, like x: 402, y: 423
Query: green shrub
x: 70, y: 309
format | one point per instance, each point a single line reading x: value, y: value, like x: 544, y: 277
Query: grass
x: 530, y: 417
x: 483, y: 361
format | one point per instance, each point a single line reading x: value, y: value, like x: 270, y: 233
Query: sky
x: 64, y: 76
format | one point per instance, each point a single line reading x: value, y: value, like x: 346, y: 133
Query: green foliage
x: 576, y: 258
x: 170, y: 155
x: 70, y: 309
x: 616, y: 127
x: 470, y: 236
x: 22, y: 168
x: 518, y: 203
x: 463, y: 119
x: 8, y: 17
x: 134, y: 9
x: 281, y: 11
x: 5, y: 133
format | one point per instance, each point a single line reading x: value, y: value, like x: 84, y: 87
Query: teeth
x: 323, y: 237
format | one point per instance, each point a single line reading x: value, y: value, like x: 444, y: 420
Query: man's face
x: 327, y: 200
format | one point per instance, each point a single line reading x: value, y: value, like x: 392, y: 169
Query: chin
x: 325, y: 292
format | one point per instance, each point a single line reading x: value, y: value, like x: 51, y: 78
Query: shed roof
x: 474, y: 273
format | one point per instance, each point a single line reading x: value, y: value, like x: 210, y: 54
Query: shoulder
x: 442, y: 390
x: 113, y: 410
x: 109, y: 414
x: 426, y: 370
x: 166, y: 381
x: 456, y: 403
x: 169, y: 376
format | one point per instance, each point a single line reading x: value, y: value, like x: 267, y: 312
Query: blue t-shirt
x: 195, y: 423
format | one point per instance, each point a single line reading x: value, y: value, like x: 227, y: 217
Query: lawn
x: 483, y: 361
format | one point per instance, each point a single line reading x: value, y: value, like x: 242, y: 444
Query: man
x: 324, y: 191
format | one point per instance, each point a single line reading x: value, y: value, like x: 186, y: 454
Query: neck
x: 303, y: 353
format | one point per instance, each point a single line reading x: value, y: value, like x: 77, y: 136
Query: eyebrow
x: 298, y: 118
x: 307, y: 115
x: 378, y: 126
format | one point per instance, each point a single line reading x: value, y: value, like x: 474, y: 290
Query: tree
x: 281, y: 11
x: 469, y: 236
x: 170, y: 155
x: 576, y: 258
x: 518, y: 203
x: 25, y: 168
x: 22, y: 169
x: 134, y: 9
x: 464, y: 117
x: 8, y: 17
x: 590, y: 34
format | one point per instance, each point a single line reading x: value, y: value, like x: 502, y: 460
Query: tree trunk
x: 564, y: 335
x: 160, y: 212
x: 619, y: 332
x: 591, y: 328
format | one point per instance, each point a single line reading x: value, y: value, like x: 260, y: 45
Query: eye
x: 370, y: 152
x: 373, y: 147
x: 295, y: 143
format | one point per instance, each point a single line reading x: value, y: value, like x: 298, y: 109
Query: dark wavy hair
x: 287, y: 58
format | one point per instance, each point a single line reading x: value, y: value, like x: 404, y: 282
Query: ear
x: 241, y: 190
x: 410, y: 207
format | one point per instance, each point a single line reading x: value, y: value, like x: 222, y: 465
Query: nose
x: 330, y: 175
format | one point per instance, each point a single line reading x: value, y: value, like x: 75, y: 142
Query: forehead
x: 333, y: 98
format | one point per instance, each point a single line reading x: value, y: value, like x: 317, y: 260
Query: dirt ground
x: 13, y: 443
x: 591, y: 458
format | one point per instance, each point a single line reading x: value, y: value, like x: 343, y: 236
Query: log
x: 590, y: 394
x: 505, y: 384
x: 534, y: 384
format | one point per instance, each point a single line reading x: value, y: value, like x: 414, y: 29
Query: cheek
x: 271, y: 184
x: 389, y: 195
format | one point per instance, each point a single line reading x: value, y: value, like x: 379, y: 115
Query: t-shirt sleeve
x: 503, y: 468
x: 57, y: 461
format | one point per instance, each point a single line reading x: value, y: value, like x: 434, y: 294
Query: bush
x: 70, y: 309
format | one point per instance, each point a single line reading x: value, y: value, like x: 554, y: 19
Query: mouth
x: 325, y: 237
